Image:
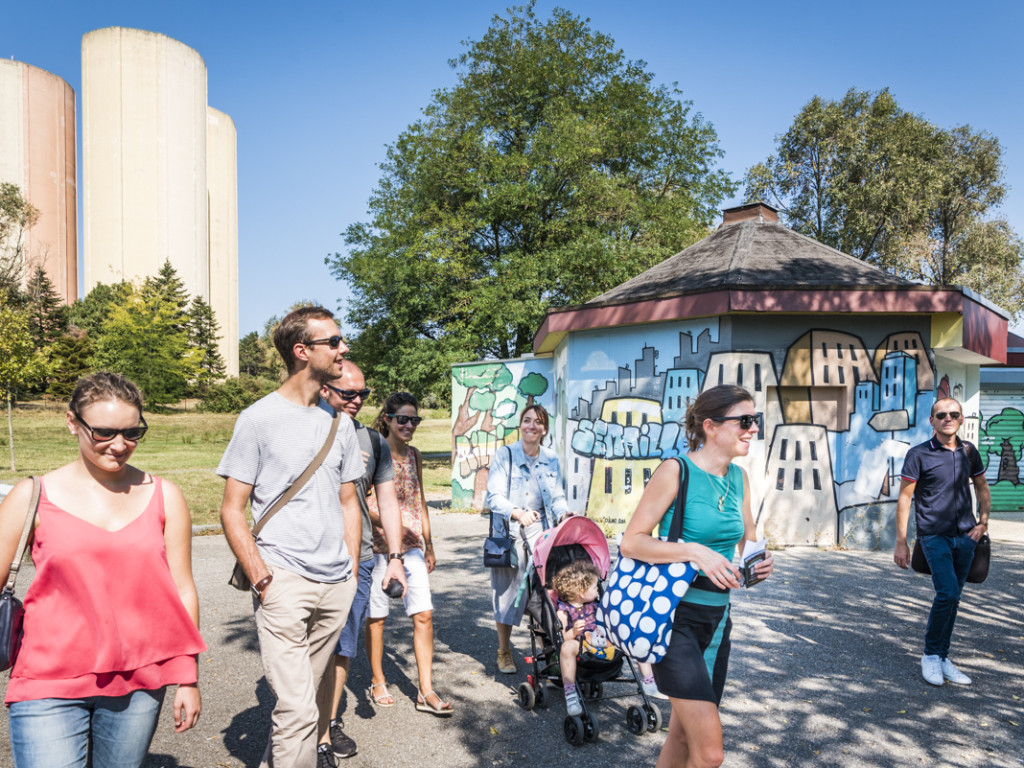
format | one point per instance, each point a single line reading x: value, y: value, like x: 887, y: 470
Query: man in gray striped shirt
x: 300, y: 567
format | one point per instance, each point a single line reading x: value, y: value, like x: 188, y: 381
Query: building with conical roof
x: 843, y: 360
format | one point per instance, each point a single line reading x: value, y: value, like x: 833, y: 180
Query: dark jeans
x: 950, y: 559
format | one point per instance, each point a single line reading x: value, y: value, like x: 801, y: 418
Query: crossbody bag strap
x: 675, y: 530
x: 508, y: 493
x: 30, y: 516
x: 302, y: 479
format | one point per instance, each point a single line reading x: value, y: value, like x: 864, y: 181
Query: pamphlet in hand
x: 753, y: 553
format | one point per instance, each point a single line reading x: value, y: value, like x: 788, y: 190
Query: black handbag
x: 979, y: 566
x: 500, y: 551
x: 11, y: 610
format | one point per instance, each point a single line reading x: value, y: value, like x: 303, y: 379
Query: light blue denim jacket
x: 549, y: 478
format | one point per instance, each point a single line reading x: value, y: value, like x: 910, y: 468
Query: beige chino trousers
x: 298, y: 625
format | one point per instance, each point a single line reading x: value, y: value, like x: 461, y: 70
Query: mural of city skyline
x: 839, y: 414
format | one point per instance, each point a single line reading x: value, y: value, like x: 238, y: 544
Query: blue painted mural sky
x: 317, y: 89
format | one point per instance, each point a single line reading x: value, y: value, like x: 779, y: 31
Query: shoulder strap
x: 375, y: 439
x: 675, y: 530
x: 302, y: 479
x: 30, y: 516
x: 508, y: 492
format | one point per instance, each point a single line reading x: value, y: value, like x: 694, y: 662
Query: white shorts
x: 417, y: 594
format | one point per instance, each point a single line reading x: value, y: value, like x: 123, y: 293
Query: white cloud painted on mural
x: 598, y: 360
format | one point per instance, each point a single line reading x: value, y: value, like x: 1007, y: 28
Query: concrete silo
x: 37, y: 153
x: 144, y: 158
x: 222, y: 181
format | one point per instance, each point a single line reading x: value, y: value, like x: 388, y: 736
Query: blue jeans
x: 60, y: 733
x: 950, y: 559
x: 348, y: 643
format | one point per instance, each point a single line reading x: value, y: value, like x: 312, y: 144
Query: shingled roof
x: 752, y: 250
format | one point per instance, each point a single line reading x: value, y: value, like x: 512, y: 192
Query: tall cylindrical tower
x: 222, y: 181
x: 144, y: 158
x: 37, y: 152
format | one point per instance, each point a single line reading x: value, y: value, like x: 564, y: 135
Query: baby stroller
x: 576, y: 538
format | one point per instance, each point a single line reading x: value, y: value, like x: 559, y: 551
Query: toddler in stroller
x: 577, y: 545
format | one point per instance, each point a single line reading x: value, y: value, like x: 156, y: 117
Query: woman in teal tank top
x: 720, y: 425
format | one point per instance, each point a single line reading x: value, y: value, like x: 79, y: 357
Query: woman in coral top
x: 112, y: 615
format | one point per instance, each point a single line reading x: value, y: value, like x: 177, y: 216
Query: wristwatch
x: 258, y: 587
x: 396, y: 556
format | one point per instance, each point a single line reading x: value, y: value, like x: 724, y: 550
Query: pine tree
x: 203, y: 335
x: 47, y: 314
x: 169, y: 289
x: 251, y: 355
x: 68, y: 359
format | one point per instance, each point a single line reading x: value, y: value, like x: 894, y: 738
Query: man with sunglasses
x: 347, y: 394
x: 937, y: 476
x: 300, y: 567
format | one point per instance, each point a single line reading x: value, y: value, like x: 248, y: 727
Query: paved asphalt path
x: 824, y: 672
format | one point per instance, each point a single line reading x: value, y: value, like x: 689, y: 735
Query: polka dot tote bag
x: 640, y: 598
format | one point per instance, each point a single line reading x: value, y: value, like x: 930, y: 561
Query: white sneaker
x: 572, y: 702
x: 931, y: 669
x: 954, y: 675
x: 651, y: 689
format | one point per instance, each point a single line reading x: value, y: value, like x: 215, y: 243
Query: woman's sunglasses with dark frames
x: 106, y: 434
x: 350, y: 394
x: 403, y: 419
x: 333, y: 342
x: 746, y: 420
x: 954, y: 415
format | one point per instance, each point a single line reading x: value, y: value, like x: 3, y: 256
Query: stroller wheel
x: 541, y: 695
x: 654, y: 719
x: 527, y: 697
x: 590, y: 729
x: 636, y: 721
x: 572, y: 726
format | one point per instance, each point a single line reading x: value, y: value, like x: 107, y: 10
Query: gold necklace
x: 714, y: 486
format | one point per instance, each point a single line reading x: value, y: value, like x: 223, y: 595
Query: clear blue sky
x: 318, y: 89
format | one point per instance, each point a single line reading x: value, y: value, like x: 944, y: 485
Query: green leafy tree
x: 20, y: 364
x: 68, y: 358
x: 553, y: 170
x: 17, y: 215
x: 204, y: 334
x: 866, y: 177
x: 90, y: 312
x: 852, y: 173
x: 143, y: 338
x: 252, y: 355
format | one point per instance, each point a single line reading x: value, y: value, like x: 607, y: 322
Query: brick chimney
x: 750, y: 212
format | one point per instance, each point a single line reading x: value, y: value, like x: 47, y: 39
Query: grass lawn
x: 183, y: 446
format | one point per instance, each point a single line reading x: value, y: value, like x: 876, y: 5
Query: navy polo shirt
x: 942, y: 496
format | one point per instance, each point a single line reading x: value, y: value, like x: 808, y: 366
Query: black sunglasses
x: 403, y: 419
x: 333, y: 342
x: 350, y: 394
x: 746, y: 420
x: 106, y: 434
x: 954, y: 415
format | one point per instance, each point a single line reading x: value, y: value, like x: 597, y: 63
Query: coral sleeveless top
x: 102, y: 615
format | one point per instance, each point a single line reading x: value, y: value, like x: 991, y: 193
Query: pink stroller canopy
x: 573, y: 530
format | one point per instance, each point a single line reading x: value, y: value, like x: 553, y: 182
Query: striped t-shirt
x: 273, y: 443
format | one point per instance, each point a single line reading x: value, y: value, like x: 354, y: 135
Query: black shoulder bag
x: 500, y: 551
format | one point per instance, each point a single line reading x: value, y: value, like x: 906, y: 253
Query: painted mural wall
x: 487, y: 400
x: 841, y: 404
x: 1001, y: 444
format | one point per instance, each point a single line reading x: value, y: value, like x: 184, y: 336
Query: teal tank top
x: 703, y: 523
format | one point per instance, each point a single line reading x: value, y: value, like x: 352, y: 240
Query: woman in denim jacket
x: 524, y: 493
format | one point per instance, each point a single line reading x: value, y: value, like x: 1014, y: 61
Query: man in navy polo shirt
x: 937, y: 475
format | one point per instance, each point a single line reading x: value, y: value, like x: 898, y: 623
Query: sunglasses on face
x: 106, y: 434
x: 746, y: 420
x: 350, y: 394
x: 403, y: 420
x: 333, y: 342
x: 954, y: 415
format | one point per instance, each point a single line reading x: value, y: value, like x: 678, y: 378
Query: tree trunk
x: 10, y: 431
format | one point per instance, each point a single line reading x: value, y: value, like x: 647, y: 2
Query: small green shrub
x: 234, y: 395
